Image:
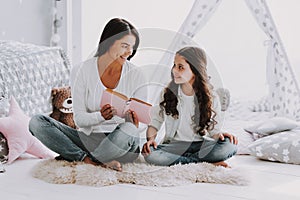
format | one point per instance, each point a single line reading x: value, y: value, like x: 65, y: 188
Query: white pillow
x: 273, y: 125
x: 281, y: 147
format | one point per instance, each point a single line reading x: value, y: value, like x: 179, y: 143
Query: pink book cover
x: 116, y: 100
x: 121, y: 103
x: 142, y: 110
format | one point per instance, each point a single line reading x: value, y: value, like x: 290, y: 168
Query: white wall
x: 235, y: 43
x: 166, y: 14
x: 231, y: 38
x: 26, y: 21
x: 30, y: 21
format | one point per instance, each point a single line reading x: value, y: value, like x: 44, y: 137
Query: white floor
x: 268, y: 181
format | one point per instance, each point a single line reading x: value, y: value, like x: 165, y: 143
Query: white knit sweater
x: 87, y: 90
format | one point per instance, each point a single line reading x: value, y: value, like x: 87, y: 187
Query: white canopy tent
x: 284, y: 93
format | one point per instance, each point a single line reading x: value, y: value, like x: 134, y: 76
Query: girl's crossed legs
x: 208, y: 150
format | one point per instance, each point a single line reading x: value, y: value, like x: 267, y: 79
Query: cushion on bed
x: 19, y: 139
x: 271, y: 126
x: 262, y: 105
x: 235, y: 127
x: 3, y: 149
x: 29, y: 72
x: 282, y: 147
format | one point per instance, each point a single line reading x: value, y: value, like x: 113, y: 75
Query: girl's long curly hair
x: 204, y: 118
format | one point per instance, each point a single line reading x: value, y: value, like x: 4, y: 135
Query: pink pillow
x: 19, y: 139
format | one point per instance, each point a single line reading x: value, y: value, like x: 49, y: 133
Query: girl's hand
x: 221, y: 136
x: 107, y: 111
x: 146, y: 147
x: 130, y: 116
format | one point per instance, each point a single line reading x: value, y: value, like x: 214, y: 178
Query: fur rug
x: 63, y: 172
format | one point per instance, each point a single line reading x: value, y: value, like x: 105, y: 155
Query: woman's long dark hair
x: 114, y: 30
x: 204, y: 118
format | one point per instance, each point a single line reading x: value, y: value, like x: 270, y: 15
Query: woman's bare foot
x: 87, y: 160
x: 222, y: 164
x: 115, y: 165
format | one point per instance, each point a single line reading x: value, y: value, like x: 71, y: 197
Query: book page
x: 142, y: 110
x: 116, y: 100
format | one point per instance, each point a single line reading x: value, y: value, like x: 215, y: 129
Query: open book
x: 122, y: 103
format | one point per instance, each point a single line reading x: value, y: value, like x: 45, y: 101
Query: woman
x: 102, y: 138
x: 190, y: 114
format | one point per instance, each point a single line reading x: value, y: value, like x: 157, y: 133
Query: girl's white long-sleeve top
x: 87, y: 89
x: 172, y: 125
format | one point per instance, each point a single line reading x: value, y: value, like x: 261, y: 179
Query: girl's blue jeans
x: 176, y: 152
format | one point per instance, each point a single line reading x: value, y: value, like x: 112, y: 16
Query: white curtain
x: 283, y: 87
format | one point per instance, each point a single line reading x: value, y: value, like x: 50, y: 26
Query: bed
x: 28, y: 72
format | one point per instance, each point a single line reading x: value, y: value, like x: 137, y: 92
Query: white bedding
x: 240, y: 110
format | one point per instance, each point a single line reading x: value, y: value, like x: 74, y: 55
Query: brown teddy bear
x: 62, y: 106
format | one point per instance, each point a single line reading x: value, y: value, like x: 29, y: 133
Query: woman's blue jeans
x: 176, y: 152
x: 122, y: 144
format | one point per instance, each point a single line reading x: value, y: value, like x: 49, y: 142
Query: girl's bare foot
x: 115, y: 165
x: 222, y: 164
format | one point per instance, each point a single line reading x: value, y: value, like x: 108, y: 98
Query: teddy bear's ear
x: 54, y: 91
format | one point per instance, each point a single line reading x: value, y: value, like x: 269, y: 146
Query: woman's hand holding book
x: 107, y: 111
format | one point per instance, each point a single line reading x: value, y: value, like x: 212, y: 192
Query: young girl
x: 189, y: 110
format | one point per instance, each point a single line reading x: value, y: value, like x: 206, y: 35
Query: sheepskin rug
x: 63, y: 172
